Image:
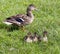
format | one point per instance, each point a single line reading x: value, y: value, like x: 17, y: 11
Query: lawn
x: 46, y: 18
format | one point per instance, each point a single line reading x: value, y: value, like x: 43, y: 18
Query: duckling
x: 22, y: 19
x: 39, y: 38
x: 35, y: 37
x: 28, y: 38
x: 45, y: 39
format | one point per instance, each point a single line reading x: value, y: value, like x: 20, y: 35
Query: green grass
x: 47, y: 18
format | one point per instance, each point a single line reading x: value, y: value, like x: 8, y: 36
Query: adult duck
x: 22, y: 19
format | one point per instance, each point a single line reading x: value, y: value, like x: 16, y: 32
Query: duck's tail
x: 7, y: 23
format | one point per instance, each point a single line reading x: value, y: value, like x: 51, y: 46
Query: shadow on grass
x: 9, y: 27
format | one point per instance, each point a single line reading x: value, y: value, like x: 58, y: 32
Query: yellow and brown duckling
x: 22, y: 19
x: 28, y: 38
x: 45, y: 39
x: 39, y: 38
x: 35, y: 37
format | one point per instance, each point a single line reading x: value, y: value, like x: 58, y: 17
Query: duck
x: 44, y: 38
x: 35, y: 37
x: 39, y: 38
x: 28, y: 38
x: 22, y: 19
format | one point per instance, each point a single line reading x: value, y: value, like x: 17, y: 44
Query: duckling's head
x: 44, y: 33
x: 29, y: 34
x: 35, y: 34
x: 31, y: 7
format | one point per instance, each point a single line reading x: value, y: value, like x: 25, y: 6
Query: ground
x: 46, y: 18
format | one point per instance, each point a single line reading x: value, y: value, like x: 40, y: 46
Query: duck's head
x: 31, y: 7
x: 29, y: 34
x: 44, y: 33
x: 35, y: 34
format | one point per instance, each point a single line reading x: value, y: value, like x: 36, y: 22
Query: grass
x: 47, y: 18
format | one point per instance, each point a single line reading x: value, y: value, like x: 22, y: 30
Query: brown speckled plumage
x: 22, y: 19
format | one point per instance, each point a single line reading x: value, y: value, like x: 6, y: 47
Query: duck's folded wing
x: 17, y: 21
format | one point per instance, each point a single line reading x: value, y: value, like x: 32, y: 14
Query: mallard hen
x: 22, y: 19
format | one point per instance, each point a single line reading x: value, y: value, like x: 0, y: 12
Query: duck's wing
x: 18, y: 19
